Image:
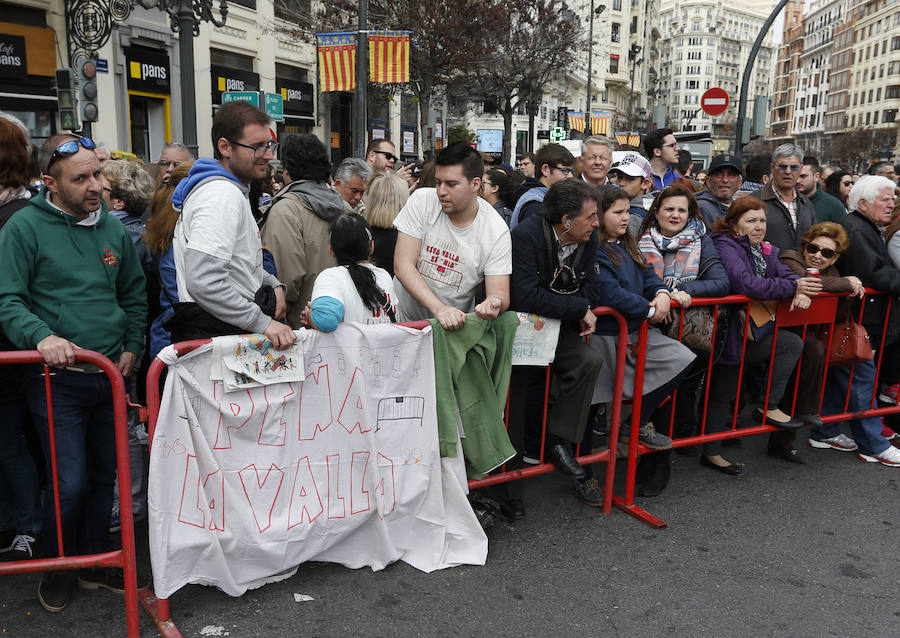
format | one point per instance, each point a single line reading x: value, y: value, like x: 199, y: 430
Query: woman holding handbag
x: 820, y: 248
x: 754, y: 271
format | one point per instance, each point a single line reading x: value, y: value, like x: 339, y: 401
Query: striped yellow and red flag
x: 576, y: 121
x: 600, y: 122
x: 389, y: 56
x: 337, y: 61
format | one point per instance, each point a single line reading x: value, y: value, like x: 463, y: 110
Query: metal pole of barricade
x: 125, y: 557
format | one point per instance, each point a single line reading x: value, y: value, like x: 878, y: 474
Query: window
x: 889, y: 115
x: 892, y: 92
x: 878, y: 95
x: 692, y: 85
x: 614, y: 34
x: 614, y: 64
x: 617, y: 5
x: 875, y: 117
x: 633, y: 25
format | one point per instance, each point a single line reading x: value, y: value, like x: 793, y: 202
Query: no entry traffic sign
x: 714, y: 101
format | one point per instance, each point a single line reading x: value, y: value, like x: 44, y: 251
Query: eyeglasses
x: 173, y: 164
x: 258, y: 151
x: 672, y: 145
x: 69, y: 148
x: 788, y: 167
x: 564, y: 281
x: 565, y: 170
x: 388, y: 155
x: 847, y: 183
x: 827, y: 253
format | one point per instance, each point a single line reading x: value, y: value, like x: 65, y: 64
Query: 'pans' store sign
x: 12, y: 56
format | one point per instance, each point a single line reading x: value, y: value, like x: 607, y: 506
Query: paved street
x: 785, y: 550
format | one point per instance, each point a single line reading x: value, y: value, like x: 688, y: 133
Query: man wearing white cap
x: 633, y: 175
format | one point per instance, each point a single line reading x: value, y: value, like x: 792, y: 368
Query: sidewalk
x: 785, y: 550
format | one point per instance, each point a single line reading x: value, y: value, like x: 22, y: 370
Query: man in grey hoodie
x: 298, y: 221
x: 222, y: 287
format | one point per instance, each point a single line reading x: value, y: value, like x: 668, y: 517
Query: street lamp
x: 587, y: 108
x: 185, y: 17
x: 633, y: 52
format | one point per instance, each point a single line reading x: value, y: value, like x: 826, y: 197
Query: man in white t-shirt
x: 218, y: 254
x: 450, y: 241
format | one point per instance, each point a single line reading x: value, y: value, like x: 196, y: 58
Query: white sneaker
x: 890, y: 457
x: 840, y: 442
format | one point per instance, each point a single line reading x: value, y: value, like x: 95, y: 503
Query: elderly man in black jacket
x: 555, y: 275
x: 872, y: 203
x: 789, y: 213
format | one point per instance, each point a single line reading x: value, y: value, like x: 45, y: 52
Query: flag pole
x: 362, y: 80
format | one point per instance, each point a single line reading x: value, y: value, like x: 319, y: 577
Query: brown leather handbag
x: 849, y: 345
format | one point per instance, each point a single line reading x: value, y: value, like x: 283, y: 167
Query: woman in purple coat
x: 754, y: 270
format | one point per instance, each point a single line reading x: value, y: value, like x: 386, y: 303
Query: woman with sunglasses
x: 819, y: 249
x: 838, y: 184
x: 823, y: 245
x: 635, y: 290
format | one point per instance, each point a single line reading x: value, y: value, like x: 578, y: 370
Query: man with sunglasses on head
x: 552, y: 163
x: 222, y: 286
x: 789, y: 213
x: 555, y: 275
x: 70, y: 278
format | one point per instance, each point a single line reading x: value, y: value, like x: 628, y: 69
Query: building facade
x: 624, y: 78
x: 875, y: 83
x: 705, y: 44
x: 815, y: 60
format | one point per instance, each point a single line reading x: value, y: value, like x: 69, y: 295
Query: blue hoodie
x: 202, y: 171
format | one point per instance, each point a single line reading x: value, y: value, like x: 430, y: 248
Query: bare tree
x: 529, y: 42
x: 446, y: 34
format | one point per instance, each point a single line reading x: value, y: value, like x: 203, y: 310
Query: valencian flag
x: 337, y: 61
x: 626, y: 138
x: 389, y: 56
x: 576, y: 121
x: 600, y: 122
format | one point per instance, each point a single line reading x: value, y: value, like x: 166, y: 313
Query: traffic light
x: 87, y: 81
x: 67, y: 99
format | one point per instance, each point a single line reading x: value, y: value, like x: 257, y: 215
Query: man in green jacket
x: 828, y: 208
x: 70, y: 278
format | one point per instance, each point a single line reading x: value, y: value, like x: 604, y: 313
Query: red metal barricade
x: 125, y: 557
x: 820, y: 313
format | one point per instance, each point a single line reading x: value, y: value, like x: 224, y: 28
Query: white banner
x: 536, y: 339
x: 342, y: 467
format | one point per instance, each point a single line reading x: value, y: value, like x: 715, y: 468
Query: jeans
x: 135, y: 458
x: 84, y: 428
x: 866, y: 431
x: 19, y: 487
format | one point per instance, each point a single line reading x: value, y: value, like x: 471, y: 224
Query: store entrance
x: 148, y: 129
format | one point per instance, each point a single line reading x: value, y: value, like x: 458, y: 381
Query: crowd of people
x: 124, y: 259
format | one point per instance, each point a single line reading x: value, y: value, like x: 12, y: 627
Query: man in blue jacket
x: 555, y: 275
